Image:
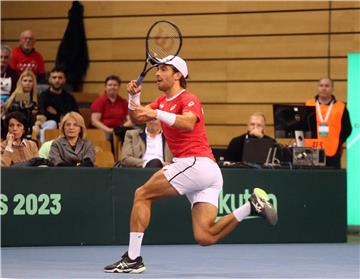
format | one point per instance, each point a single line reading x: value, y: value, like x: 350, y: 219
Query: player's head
x: 179, y: 65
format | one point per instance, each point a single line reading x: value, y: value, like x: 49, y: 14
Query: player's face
x: 27, y: 84
x: 112, y: 88
x: 16, y: 128
x: 57, y: 80
x: 165, y: 77
x: 325, y: 88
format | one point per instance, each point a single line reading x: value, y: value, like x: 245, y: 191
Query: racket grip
x: 140, y: 79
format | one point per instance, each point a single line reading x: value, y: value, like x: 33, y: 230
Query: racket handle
x: 140, y: 79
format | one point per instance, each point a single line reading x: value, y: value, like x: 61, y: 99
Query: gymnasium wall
x: 242, y: 56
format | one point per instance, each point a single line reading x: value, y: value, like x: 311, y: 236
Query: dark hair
x: 20, y: 117
x: 182, y: 79
x: 113, y: 77
x: 58, y: 69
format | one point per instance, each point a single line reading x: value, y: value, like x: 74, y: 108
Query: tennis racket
x: 163, y: 43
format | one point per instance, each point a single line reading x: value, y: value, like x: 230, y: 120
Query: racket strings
x: 163, y: 40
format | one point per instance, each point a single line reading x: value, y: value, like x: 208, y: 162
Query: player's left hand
x: 144, y: 111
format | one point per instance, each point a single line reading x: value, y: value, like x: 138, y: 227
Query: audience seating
x: 104, y: 159
x: 86, y: 114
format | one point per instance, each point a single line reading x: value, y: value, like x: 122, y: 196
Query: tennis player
x: 193, y: 173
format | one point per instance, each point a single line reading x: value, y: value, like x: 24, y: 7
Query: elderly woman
x: 72, y: 148
x: 15, y: 148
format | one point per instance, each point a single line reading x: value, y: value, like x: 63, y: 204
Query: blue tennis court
x: 188, y: 261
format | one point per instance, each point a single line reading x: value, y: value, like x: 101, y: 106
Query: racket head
x: 163, y: 40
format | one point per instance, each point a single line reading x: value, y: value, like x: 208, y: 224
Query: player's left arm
x: 184, y: 121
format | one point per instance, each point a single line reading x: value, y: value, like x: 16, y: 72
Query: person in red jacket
x: 25, y: 57
x: 333, y: 123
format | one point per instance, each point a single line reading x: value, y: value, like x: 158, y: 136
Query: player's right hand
x: 132, y: 88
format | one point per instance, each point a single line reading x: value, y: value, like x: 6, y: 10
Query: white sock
x: 135, y: 244
x: 242, y: 212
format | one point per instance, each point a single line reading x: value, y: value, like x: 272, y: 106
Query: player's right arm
x: 134, y: 92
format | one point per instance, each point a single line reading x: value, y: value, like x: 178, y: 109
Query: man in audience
x: 54, y: 103
x: 26, y: 57
x: 333, y: 123
x: 145, y: 148
x: 9, y: 76
x: 109, y: 112
x: 255, y: 129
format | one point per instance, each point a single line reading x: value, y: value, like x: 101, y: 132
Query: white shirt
x: 154, y: 148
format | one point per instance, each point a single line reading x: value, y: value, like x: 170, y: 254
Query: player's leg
x: 207, y: 231
x: 157, y: 186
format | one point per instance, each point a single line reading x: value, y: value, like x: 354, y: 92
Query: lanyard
x: 322, y: 120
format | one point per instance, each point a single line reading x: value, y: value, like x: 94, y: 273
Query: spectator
x: 9, y: 76
x: 333, y: 123
x: 255, y: 129
x: 72, y: 148
x: 146, y: 148
x: 109, y: 112
x: 25, y: 57
x: 45, y: 149
x: 15, y: 148
x: 54, y: 103
x: 23, y: 99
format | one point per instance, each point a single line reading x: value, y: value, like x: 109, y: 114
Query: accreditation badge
x: 323, y: 130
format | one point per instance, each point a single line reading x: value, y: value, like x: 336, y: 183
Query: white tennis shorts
x: 199, y: 178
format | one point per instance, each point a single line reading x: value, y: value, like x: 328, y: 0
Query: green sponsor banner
x: 87, y: 206
x: 353, y: 142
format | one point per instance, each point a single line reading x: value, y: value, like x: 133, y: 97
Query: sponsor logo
x: 228, y: 202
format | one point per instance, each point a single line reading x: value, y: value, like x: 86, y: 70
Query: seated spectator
x: 255, y: 129
x: 54, y: 103
x: 145, y: 148
x: 25, y: 57
x: 72, y: 148
x: 23, y: 99
x: 9, y: 76
x: 45, y: 149
x: 109, y: 112
x: 15, y: 148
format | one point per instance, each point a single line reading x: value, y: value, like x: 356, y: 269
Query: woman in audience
x: 23, y: 99
x: 72, y: 148
x: 18, y: 99
x: 15, y: 148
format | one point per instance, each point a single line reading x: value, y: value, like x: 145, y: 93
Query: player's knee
x: 139, y: 194
x: 204, y: 240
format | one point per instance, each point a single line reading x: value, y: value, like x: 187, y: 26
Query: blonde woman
x: 19, y: 100
x: 72, y: 148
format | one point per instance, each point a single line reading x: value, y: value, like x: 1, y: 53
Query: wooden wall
x: 242, y: 56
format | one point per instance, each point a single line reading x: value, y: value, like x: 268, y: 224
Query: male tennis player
x: 194, y: 172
